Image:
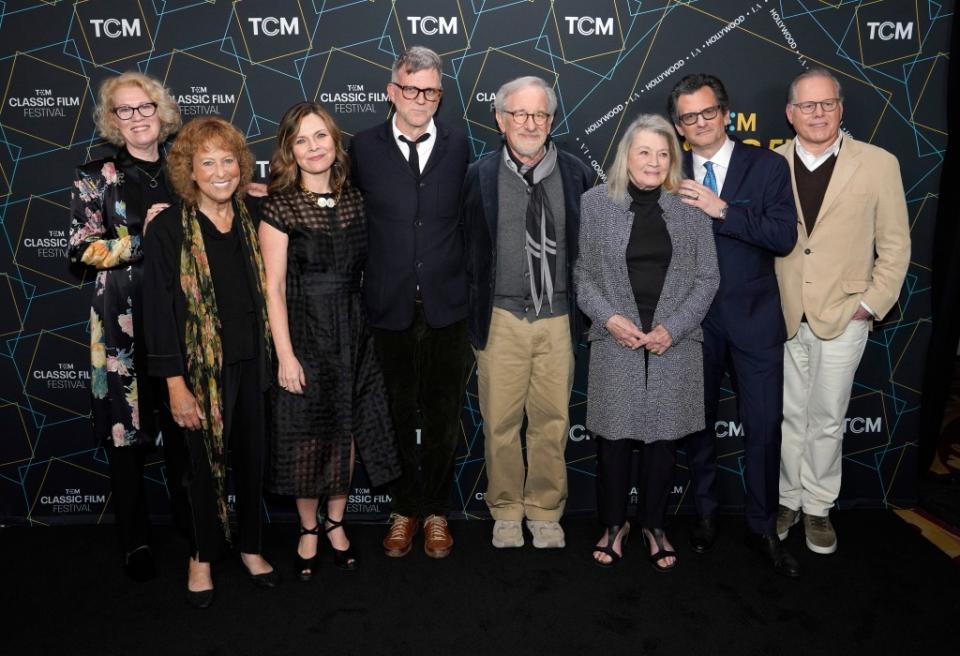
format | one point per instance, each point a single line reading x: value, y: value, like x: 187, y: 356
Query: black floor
x: 886, y: 591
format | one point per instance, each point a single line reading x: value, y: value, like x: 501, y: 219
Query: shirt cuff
x: 868, y: 309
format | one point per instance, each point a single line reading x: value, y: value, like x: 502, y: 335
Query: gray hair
x: 816, y: 71
x: 511, y: 87
x: 618, y: 175
x: 416, y: 59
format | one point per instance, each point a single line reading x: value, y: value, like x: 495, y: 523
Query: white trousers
x: 817, y: 383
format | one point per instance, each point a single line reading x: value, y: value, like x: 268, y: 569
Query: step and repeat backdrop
x: 248, y: 60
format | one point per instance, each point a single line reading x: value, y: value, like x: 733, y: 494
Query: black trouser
x: 426, y: 371
x: 245, y: 438
x: 128, y: 498
x: 614, y: 459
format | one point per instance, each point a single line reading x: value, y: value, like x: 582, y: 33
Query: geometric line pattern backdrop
x: 248, y: 60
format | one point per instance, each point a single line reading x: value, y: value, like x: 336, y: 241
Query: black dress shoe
x: 769, y: 545
x: 200, y: 599
x: 269, y: 579
x: 703, y: 534
x: 139, y: 565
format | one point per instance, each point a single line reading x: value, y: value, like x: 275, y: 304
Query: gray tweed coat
x: 620, y: 405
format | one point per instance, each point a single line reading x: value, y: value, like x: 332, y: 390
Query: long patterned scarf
x: 541, y: 233
x: 203, y: 346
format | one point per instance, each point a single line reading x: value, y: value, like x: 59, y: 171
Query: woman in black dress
x: 332, y: 398
x: 207, y: 335
x: 113, y: 200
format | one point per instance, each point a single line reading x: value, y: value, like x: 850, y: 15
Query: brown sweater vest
x: 811, y: 187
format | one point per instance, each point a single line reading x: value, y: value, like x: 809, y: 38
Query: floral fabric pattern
x: 104, y: 236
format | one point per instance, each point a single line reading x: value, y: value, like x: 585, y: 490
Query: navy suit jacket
x: 761, y: 224
x: 413, y: 228
x: 480, y: 210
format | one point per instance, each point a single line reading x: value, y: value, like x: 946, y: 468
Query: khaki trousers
x: 526, y: 366
x: 817, y: 383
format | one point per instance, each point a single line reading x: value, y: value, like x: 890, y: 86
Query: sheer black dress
x: 344, y: 396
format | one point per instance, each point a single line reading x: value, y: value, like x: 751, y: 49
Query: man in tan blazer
x: 852, y: 252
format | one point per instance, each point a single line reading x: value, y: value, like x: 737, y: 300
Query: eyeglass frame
x: 403, y: 92
x: 543, y: 121
x: 138, y: 109
x: 683, y: 119
x: 812, y: 104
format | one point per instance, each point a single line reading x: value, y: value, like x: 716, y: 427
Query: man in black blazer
x: 410, y: 170
x: 747, y: 192
x: 521, y: 216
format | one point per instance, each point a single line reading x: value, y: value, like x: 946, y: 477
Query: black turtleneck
x: 648, y: 252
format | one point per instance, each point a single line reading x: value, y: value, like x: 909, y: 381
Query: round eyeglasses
x: 520, y: 116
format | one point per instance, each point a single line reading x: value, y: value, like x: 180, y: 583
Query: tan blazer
x: 859, y: 248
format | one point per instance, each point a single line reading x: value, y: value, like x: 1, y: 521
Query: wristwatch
x: 723, y: 212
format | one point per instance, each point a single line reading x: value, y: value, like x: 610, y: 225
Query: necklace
x: 318, y: 199
x: 152, y: 183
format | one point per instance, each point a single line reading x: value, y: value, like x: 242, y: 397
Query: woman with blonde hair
x: 646, y: 275
x: 112, y: 202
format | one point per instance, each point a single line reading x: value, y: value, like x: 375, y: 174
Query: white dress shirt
x: 721, y: 164
x: 423, y: 149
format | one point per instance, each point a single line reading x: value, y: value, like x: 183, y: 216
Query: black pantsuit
x: 614, y: 466
x: 243, y: 407
x: 427, y: 369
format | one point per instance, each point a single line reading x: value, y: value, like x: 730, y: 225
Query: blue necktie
x: 710, y: 180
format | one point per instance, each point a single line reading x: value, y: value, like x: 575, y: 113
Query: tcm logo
x: 890, y: 31
x: 273, y: 26
x: 115, y: 28
x: 858, y: 425
x: 728, y: 429
x: 589, y: 26
x: 742, y: 122
x: 578, y: 433
x: 430, y: 25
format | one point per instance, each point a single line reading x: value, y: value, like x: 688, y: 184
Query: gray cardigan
x: 623, y: 400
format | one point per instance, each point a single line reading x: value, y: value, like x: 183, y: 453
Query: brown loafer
x: 399, y: 538
x: 437, y: 541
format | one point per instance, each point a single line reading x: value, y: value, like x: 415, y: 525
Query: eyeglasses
x: 125, y: 112
x: 808, y: 107
x: 411, y: 92
x: 520, y: 116
x: 708, y: 114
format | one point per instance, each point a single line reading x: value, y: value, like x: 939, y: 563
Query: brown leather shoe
x: 399, y: 538
x: 437, y: 541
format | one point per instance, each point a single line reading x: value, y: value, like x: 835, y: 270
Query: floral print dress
x: 108, y: 202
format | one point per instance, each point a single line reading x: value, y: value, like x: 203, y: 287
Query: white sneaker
x: 507, y: 533
x: 546, y: 534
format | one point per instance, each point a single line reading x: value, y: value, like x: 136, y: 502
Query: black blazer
x: 413, y: 227
x: 761, y: 223
x: 480, y: 208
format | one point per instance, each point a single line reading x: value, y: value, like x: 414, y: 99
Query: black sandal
x: 347, y: 558
x: 304, y: 567
x: 659, y: 536
x: 613, y: 532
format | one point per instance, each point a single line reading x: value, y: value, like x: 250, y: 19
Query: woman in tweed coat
x: 646, y: 275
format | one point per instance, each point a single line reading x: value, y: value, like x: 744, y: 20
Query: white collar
x: 812, y: 161
x: 431, y: 129
x: 720, y: 158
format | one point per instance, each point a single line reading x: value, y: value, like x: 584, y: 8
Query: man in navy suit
x: 410, y: 170
x: 746, y: 191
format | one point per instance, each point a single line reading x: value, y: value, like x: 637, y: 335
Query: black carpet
x: 886, y: 591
